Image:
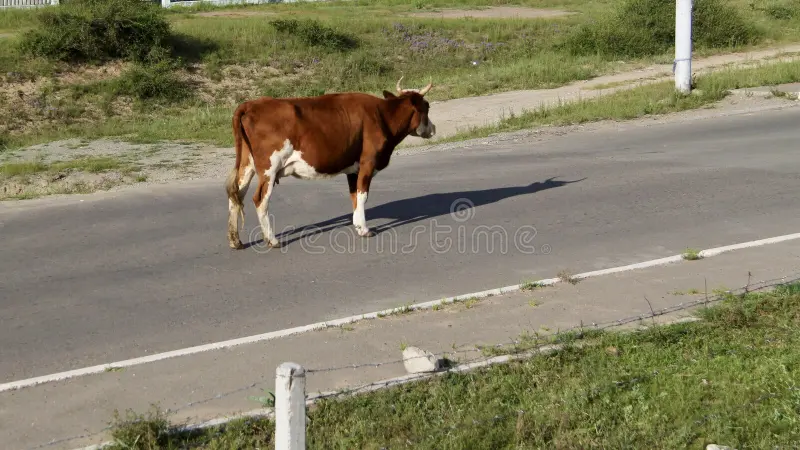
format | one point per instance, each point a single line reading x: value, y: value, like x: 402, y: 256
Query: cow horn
x: 399, y: 89
x: 426, y: 88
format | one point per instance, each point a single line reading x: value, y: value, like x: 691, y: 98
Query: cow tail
x: 232, y: 182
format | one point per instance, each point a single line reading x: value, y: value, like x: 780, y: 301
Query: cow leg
x: 261, y: 200
x: 362, y: 192
x: 352, y: 184
x: 238, y: 182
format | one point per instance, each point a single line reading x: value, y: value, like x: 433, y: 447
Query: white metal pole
x: 683, y: 46
x: 290, y: 407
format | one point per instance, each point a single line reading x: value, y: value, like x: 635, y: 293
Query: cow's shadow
x: 425, y: 207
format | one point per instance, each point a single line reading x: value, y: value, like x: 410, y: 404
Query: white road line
x: 13, y: 385
x: 760, y: 242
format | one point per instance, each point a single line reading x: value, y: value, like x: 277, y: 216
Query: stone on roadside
x: 417, y: 360
x: 718, y: 447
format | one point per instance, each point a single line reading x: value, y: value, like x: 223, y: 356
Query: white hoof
x: 363, y: 231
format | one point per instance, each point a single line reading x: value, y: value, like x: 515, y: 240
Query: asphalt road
x: 133, y: 273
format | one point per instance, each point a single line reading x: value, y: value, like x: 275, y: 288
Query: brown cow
x: 318, y: 138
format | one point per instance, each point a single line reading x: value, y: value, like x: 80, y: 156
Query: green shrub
x: 647, y: 27
x: 778, y: 11
x: 782, y: 12
x: 362, y: 65
x: 5, y: 140
x: 140, y: 431
x: 99, y: 30
x: 156, y: 81
x: 315, y: 34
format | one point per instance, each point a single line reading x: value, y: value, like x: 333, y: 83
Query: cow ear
x: 387, y: 95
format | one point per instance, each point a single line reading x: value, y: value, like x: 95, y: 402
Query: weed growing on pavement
x: 691, y: 254
x: 567, y: 277
x: 267, y: 400
x: 530, y: 285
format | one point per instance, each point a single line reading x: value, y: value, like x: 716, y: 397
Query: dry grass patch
x: 494, y: 12
x: 209, y: 59
x: 30, y: 179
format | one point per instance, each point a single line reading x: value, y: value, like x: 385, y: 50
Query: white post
x: 290, y: 407
x: 165, y: 3
x: 683, y: 46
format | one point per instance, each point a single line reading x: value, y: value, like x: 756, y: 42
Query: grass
x: 567, y: 277
x: 79, y: 187
x: 22, y: 168
x: 183, y: 83
x: 729, y: 379
x: 97, y: 31
x: 153, y: 81
x: 25, y: 177
x: 89, y: 164
x: 400, y: 310
x: 691, y: 254
x: 649, y: 99
x: 471, y: 302
x: 530, y: 285
x: 647, y: 27
x: 211, y: 124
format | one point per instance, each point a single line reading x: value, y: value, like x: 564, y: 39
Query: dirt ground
x: 140, y: 164
x: 497, y: 12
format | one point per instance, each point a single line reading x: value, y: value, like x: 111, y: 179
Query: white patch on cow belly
x: 297, y: 167
x: 278, y: 160
x: 289, y: 162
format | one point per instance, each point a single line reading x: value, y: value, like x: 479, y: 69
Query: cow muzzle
x: 426, y: 131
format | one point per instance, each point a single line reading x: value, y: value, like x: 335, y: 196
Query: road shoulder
x: 215, y: 383
x: 210, y: 164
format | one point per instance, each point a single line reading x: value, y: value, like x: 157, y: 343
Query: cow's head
x: 420, y: 124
